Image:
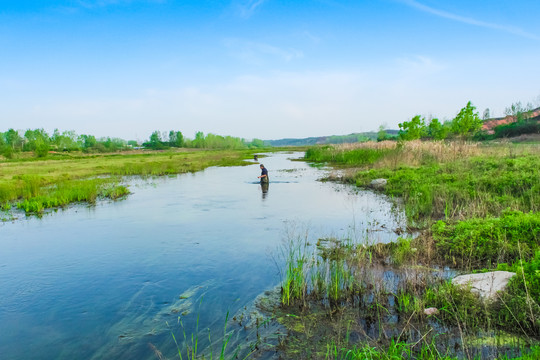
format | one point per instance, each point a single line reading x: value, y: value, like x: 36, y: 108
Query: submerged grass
x: 195, y: 345
x: 40, y: 184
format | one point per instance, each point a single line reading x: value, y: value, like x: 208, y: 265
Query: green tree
x: 199, y: 141
x: 112, y: 144
x: 37, y: 141
x: 382, y: 134
x: 13, y: 143
x: 467, y: 122
x: 156, y: 141
x: 436, y: 130
x: 486, y: 114
x: 4, y: 148
x: 414, y: 129
x: 176, y: 139
x: 65, y: 141
x: 14, y: 140
x: 87, y: 142
x: 518, y: 111
x: 256, y: 143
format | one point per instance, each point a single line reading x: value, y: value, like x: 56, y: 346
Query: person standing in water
x: 264, y: 175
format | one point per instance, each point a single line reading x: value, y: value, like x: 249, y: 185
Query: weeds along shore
x: 34, y: 185
x: 475, y: 209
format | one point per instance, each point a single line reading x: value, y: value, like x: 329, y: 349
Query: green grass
x: 318, y: 273
x: 520, y: 304
x: 35, y: 185
x: 396, y: 350
x: 357, y: 157
x: 471, y: 187
x: 403, y: 350
x: 486, y: 242
x: 436, y: 180
x: 190, y: 347
x: 477, y: 209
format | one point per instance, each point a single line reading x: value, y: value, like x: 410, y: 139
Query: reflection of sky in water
x: 103, y: 281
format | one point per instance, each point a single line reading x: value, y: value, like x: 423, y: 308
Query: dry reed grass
x: 414, y: 153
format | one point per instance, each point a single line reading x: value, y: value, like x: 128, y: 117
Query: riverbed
x: 112, y: 280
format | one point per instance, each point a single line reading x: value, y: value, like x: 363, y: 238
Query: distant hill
x: 490, y: 124
x: 332, y: 139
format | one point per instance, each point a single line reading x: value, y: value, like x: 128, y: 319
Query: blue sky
x: 260, y: 68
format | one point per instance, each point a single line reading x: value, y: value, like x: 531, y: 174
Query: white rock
x: 378, y: 184
x: 431, y: 311
x: 486, y: 284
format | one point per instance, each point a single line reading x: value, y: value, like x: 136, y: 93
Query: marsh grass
x: 193, y: 348
x: 315, y: 272
x: 35, y: 185
x: 486, y: 242
x: 476, y: 207
x: 440, y: 180
x: 383, y: 289
x: 396, y: 350
x: 404, y: 350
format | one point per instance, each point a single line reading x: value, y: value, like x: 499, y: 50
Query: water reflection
x: 264, y: 188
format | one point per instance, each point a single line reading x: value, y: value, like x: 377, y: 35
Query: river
x: 109, y: 281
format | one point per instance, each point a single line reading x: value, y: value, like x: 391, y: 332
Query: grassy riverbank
x: 476, y: 209
x: 34, y: 185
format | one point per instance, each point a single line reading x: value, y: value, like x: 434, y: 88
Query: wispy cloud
x: 257, y: 52
x: 246, y: 8
x: 471, y: 21
x: 313, y: 38
x: 419, y: 63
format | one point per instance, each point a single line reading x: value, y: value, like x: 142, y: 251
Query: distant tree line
x: 465, y: 125
x: 41, y: 143
x: 161, y: 141
x: 468, y: 125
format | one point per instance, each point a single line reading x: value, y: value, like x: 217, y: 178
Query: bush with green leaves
x: 484, y: 242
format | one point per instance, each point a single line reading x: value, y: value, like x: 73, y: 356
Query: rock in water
x: 378, y: 184
x: 486, y: 284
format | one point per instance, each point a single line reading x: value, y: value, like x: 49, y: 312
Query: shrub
x: 488, y: 241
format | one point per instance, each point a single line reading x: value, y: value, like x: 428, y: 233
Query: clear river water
x: 110, y: 281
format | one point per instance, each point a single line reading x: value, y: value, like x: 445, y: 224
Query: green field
x: 34, y: 184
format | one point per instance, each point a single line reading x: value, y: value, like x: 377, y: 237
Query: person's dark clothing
x: 264, y: 172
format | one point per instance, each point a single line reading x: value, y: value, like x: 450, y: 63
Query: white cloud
x: 257, y: 52
x: 246, y: 8
x: 467, y: 20
x: 313, y: 38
